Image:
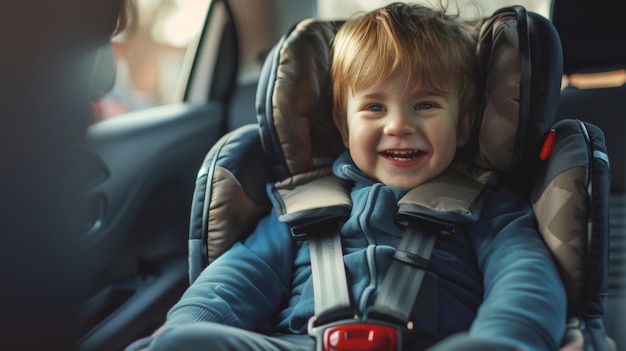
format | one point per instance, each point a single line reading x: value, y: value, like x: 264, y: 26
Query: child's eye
x: 374, y: 108
x: 424, y: 106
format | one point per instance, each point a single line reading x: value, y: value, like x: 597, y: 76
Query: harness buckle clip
x: 347, y: 335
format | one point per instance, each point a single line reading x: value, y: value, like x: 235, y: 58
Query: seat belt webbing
x: 405, y: 274
x: 330, y: 284
x: 400, y: 285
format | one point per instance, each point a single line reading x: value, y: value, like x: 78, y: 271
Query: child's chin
x: 405, y: 184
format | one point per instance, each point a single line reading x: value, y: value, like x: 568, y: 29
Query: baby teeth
x: 402, y: 154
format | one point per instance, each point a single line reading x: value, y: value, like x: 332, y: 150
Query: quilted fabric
x: 299, y: 120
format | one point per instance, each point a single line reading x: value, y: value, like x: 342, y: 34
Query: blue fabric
x: 494, y: 278
x: 205, y: 336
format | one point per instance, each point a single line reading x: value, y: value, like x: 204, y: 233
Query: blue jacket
x: 494, y: 277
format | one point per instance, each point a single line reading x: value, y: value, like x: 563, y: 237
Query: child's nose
x: 399, y: 124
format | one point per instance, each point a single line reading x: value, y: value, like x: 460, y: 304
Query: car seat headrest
x: 521, y: 68
x: 520, y: 78
x: 294, y: 101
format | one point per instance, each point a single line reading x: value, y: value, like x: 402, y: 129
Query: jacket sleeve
x: 524, y: 300
x: 245, y: 285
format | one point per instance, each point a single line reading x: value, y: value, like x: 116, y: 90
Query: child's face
x: 402, y: 138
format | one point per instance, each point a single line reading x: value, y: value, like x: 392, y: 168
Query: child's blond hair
x: 404, y: 41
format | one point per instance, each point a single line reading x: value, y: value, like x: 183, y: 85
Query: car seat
x: 598, y: 47
x: 562, y: 169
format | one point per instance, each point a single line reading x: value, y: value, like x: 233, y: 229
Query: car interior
x: 296, y: 71
x: 151, y: 171
x: 148, y: 192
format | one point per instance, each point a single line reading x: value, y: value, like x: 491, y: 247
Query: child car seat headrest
x: 294, y: 101
x: 520, y: 81
x: 521, y: 85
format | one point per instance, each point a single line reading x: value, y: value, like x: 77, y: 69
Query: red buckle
x: 548, y: 145
x: 360, y: 337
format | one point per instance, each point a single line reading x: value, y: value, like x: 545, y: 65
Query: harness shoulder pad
x: 455, y: 196
x: 323, y: 197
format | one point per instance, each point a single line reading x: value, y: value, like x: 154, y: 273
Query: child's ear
x: 341, y: 122
x: 464, y: 129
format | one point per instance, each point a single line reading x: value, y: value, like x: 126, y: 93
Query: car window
x: 330, y: 9
x: 150, y: 55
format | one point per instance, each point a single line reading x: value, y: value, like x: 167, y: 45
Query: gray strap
x: 330, y: 284
x: 405, y: 274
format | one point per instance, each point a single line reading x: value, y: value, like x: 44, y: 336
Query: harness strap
x: 405, y: 274
x: 330, y: 283
x: 400, y: 285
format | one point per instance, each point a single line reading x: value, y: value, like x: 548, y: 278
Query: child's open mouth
x: 402, y: 155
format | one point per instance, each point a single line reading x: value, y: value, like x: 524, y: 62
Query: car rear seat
x: 592, y: 44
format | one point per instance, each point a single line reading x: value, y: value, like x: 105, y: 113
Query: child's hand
x: 576, y: 341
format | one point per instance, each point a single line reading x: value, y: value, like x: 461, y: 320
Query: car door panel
x: 143, y: 167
